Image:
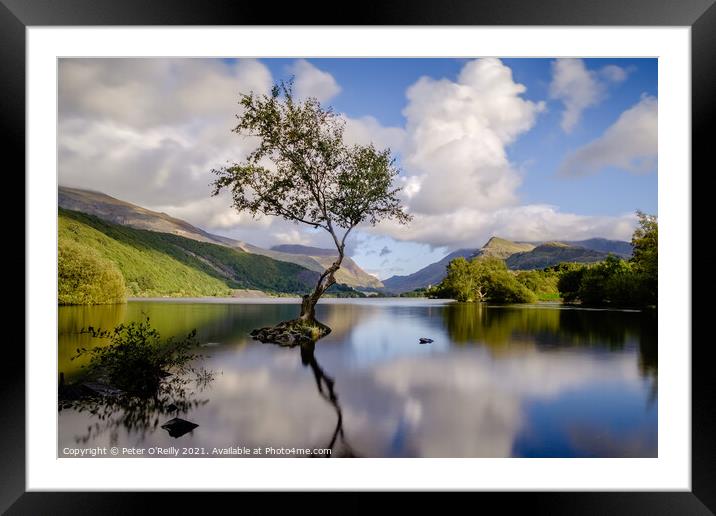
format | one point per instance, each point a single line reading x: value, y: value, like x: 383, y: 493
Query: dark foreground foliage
x: 136, y: 360
x: 136, y: 379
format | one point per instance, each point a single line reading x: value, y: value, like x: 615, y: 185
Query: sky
x: 525, y: 149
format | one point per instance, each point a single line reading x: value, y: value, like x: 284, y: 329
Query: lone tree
x: 304, y: 172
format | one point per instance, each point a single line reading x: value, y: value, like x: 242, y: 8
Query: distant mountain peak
x: 502, y: 248
x: 124, y: 213
x: 495, y: 240
x: 349, y: 273
x: 517, y: 255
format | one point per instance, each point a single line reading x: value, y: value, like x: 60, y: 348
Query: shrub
x: 542, y: 282
x: 151, y: 374
x: 627, y: 290
x: 483, y: 279
x: 136, y: 360
x: 87, y: 278
x: 594, y: 289
x: 612, y: 282
x: 570, y: 280
x: 503, y: 287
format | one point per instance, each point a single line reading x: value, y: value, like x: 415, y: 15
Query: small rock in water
x: 425, y: 340
x: 178, y: 427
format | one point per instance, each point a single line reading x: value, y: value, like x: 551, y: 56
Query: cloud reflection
x: 496, y: 382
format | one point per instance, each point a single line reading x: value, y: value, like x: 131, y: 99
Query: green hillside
x: 162, y: 264
x: 116, y: 211
x: 552, y: 253
x: 497, y: 247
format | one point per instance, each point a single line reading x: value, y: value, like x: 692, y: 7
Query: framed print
x: 420, y: 242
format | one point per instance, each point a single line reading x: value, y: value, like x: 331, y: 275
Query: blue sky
x: 377, y: 87
x: 527, y: 149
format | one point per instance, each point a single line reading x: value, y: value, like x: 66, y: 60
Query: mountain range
x: 435, y: 272
x: 157, y: 264
x: 226, y: 263
x: 517, y: 256
x: 124, y: 213
x: 552, y: 253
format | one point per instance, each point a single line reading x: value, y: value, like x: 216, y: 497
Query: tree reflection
x: 174, y: 397
x: 501, y: 326
x: 497, y: 327
x: 325, y: 385
x: 503, y: 329
x: 648, y: 353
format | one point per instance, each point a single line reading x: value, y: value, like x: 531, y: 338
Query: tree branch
x: 343, y: 240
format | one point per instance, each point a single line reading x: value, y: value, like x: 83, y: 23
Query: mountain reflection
x: 496, y: 382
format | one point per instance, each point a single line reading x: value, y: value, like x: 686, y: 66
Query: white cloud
x: 459, y: 184
x: 629, y: 144
x: 457, y: 132
x: 546, y: 222
x: 149, y: 131
x: 146, y: 92
x: 577, y: 87
x: 312, y: 82
x: 472, y: 227
x: 217, y: 215
x: 213, y: 212
x: 368, y: 129
x: 614, y: 73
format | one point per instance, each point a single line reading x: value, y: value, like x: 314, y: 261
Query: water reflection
x: 135, y: 414
x: 325, y: 385
x: 141, y: 415
x: 504, y: 330
x: 500, y: 326
x: 496, y: 381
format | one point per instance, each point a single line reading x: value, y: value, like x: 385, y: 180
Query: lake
x: 497, y: 381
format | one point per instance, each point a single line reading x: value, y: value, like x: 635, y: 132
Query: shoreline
x: 268, y: 300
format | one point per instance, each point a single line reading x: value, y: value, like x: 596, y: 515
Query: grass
x: 161, y: 264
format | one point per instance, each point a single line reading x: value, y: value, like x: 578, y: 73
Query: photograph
x: 420, y: 242
x: 357, y: 257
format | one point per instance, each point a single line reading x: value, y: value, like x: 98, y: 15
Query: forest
x: 613, y: 281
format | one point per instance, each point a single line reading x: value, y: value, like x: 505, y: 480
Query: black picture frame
x: 700, y: 15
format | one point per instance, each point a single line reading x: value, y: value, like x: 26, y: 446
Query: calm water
x: 528, y: 381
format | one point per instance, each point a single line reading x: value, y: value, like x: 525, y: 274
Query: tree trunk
x: 308, y: 308
x: 308, y: 303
